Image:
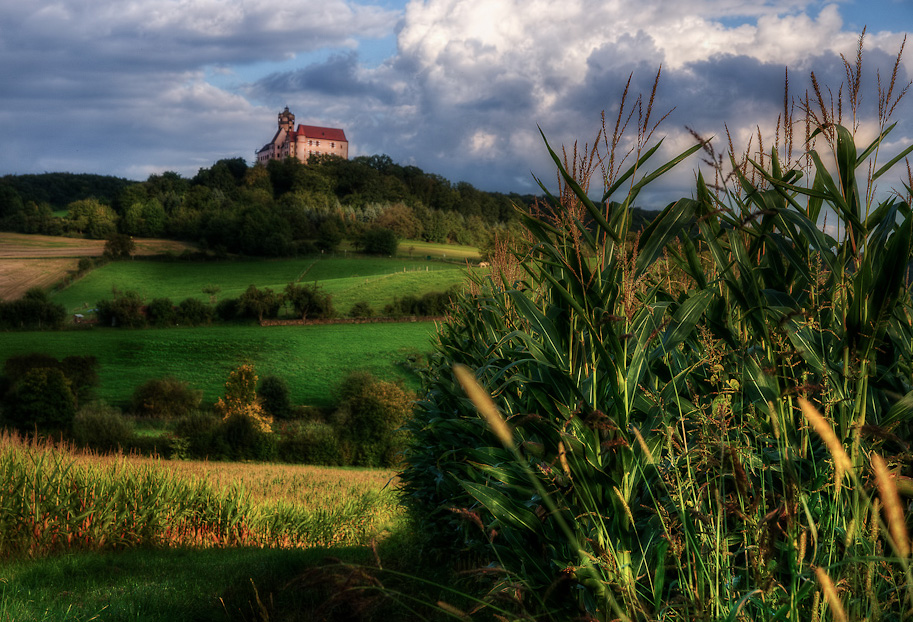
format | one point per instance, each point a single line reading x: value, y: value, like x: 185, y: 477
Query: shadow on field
x: 250, y: 585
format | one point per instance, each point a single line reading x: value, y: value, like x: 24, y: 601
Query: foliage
x: 368, y: 419
x: 194, y: 312
x: 161, y: 312
x: 657, y: 460
x: 125, y: 310
x: 89, y: 217
x: 361, y: 309
x: 164, y: 398
x: 309, y: 442
x: 241, y: 401
x: 101, y: 427
x: 259, y: 303
x: 275, y: 397
x: 119, y: 246
x: 41, y: 399
x: 33, y: 310
x: 428, y: 304
x: 311, y: 358
x: 308, y: 301
x: 379, y: 241
x: 81, y: 371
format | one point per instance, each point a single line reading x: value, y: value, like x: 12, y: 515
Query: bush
x: 194, y: 312
x: 275, y: 397
x: 259, y: 303
x: 201, y: 432
x: 126, y: 310
x: 309, y: 442
x: 247, y: 440
x: 228, y: 309
x: 308, y: 301
x: 41, y: 399
x: 164, y: 398
x: 102, y: 427
x: 361, y: 309
x: 33, y: 310
x: 80, y: 371
x: 368, y: 419
x: 161, y: 312
x: 376, y: 241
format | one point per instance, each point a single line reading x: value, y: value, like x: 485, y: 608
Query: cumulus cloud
x: 464, y: 94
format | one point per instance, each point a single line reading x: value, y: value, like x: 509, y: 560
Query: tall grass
x: 53, y: 501
x: 693, y: 413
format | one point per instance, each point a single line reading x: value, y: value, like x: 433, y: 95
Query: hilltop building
x: 307, y: 140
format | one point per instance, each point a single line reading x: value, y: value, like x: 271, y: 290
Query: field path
x: 28, y: 261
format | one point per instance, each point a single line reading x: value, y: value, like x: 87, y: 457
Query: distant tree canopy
x: 284, y: 208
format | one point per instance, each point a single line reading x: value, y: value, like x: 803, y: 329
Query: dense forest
x: 285, y: 208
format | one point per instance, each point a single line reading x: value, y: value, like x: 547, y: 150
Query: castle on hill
x: 304, y: 142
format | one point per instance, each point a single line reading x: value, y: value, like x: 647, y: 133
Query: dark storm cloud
x: 337, y: 77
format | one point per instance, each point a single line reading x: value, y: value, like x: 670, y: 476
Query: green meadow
x: 348, y: 279
x: 312, y: 359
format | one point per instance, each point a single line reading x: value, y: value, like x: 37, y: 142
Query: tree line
x: 285, y: 208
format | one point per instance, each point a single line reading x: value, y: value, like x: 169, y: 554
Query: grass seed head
x: 842, y: 461
x: 892, y: 507
x: 484, y: 404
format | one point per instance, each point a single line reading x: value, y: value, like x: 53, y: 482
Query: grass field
x: 28, y: 261
x: 312, y: 359
x: 348, y: 279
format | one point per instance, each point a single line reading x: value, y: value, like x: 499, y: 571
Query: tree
x: 259, y: 303
x: 119, y: 246
x: 308, y: 300
x: 377, y: 241
x: 241, y: 400
x: 329, y: 235
x: 91, y: 218
x: 275, y: 397
x: 165, y: 398
x: 42, y: 398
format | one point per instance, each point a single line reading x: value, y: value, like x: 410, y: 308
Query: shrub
x: 308, y: 301
x: 201, y: 433
x: 101, y: 427
x: 126, y: 310
x: 377, y: 241
x: 362, y: 309
x: 247, y: 439
x: 41, y: 399
x: 309, y: 442
x: 259, y: 303
x: 164, y: 398
x: 227, y: 309
x: 275, y: 397
x: 80, y: 371
x: 368, y: 419
x: 194, y: 312
x: 161, y: 312
x: 33, y: 310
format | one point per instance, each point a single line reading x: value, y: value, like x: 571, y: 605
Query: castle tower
x: 286, y: 121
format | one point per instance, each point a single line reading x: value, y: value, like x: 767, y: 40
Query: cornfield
x: 706, y: 420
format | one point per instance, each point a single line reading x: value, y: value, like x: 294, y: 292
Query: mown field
x: 28, y: 261
x: 348, y: 279
x: 312, y: 359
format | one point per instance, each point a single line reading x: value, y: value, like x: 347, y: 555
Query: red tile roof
x: 323, y: 133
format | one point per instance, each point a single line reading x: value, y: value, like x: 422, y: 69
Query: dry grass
x: 28, y: 261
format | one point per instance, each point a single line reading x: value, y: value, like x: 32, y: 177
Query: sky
x: 459, y: 88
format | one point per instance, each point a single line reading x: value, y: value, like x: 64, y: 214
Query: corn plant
x: 666, y: 452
